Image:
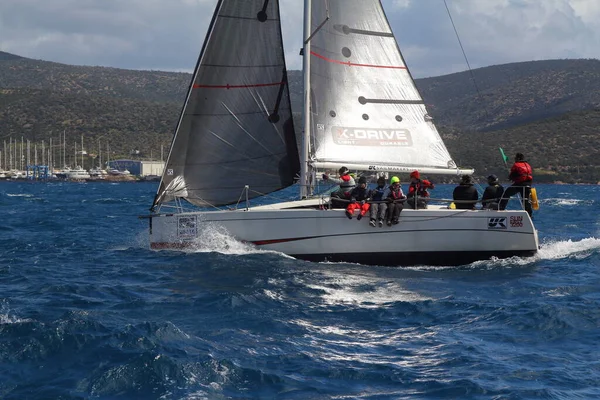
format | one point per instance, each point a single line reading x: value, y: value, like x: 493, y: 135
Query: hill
x: 512, y: 94
x: 7, y: 56
x: 534, y: 107
x: 561, y: 149
x: 20, y: 72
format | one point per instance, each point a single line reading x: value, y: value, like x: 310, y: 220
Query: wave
x: 5, y: 315
x: 19, y: 195
x: 557, y: 201
x: 215, y: 238
x: 552, y: 250
x: 568, y: 248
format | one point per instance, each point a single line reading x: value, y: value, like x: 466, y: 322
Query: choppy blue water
x: 87, y: 311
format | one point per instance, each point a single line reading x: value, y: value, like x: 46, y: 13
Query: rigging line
x: 466, y: 59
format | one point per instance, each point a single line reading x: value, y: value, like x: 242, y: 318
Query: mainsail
x: 365, y: 110
x: 236, y: 126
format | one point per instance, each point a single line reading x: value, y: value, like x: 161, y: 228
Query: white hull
x: 436, y: 236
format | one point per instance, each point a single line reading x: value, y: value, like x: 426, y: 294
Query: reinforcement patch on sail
x: 236, y: 127
x: 365, y: 107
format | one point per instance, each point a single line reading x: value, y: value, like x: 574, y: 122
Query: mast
x: 64, y: 152
x: 304, y: 153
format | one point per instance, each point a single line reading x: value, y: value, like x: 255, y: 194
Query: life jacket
x: 420, y: 188
x: 521, y: 172
x: 396, y: 194
x: 347, y: 183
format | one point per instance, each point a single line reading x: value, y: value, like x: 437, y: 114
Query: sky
x: 168, y: 34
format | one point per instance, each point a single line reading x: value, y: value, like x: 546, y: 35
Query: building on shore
x: 137, y: 167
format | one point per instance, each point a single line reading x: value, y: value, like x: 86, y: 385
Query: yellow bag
x: 534, y: 199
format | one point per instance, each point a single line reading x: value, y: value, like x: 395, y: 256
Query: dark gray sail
x: 236, y: 126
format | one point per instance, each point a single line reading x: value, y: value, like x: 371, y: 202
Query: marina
x: 27, y: 160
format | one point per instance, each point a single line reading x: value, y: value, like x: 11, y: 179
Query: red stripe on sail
x: 228, y: 86
x: 350, y: 64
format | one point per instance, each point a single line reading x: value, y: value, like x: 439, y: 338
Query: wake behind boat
x: 235, y: 139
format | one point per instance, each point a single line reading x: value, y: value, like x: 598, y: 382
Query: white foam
x: 19, y: 195
x: 350, y: 289
x: 215, y: 238
x: 552, y: 250
x: 567, y: 248
x: 6, y: 318
x: 555, y: 201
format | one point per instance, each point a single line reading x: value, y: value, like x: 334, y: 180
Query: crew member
x: 521, y: 174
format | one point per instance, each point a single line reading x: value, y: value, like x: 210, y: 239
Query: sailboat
x: 235, y: 141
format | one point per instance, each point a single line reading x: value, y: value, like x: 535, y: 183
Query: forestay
x: 366, y: 112
x: 236, y: 127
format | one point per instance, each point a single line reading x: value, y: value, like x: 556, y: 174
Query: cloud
x: 128, y: 34
x: 168, y: 35
x: 401, y: 3
x: 522, y: 30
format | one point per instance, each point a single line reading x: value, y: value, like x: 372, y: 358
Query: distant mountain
x: 19, y: 72
x: 547, y: 109
x: 512, y: 94
x: 563, y: 148
x: 7, y: 56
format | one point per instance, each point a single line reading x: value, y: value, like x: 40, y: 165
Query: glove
x: 325, y: 177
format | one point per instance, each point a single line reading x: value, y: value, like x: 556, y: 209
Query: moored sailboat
x: 362, y: 110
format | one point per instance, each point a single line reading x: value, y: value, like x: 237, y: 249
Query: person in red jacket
x: 521, y: 174
x: 417, y: 191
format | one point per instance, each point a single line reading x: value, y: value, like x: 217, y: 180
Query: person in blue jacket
x: 378, y: 204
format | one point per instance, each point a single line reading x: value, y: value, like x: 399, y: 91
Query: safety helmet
x: 394, y: 179
x: 343, y: 171
x: 492, y: 178
x: 415, y: 174
x: 362, y: 179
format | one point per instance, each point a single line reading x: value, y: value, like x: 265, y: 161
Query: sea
x: 87, y: 311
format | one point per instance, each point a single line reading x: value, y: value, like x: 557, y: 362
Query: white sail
x: 236, y: 127
x: 365, y: 108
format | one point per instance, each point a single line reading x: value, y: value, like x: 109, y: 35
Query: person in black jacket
x: 465, y: 194
x: 492, y: 194
x: 358, y: 199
